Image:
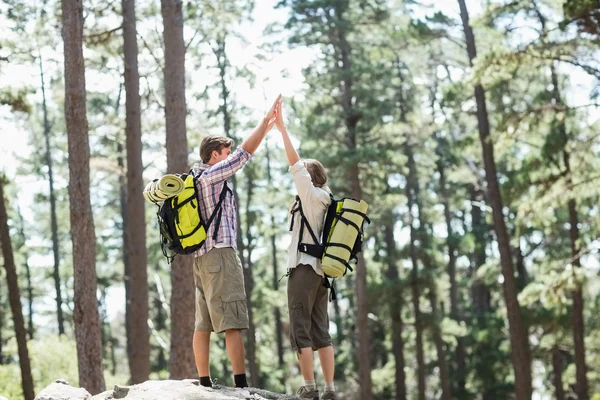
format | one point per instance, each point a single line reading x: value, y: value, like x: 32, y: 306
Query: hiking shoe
x: 304, y: 393
x: 329, y: 396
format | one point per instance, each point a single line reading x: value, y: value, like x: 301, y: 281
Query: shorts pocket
x: 213, y: 269
x: 234, y: 306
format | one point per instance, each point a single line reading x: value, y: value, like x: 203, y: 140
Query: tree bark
x: 520, y: 350
x: 557, y: 372
x: 414, y: 282
x: 181, y: 361
x: 53, y: 219
x: 14, y: 296
x: 395, y: 304
x: 85, y: 317
x: 136, y: 254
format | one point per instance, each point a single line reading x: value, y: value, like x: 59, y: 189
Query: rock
x: 62, y: 390
x: 188, y: 389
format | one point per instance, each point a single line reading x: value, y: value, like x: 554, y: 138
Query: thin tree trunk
x: 22, y: 240
x: 87, y: 323
x: 429, y: 264
x: 480, y: 292
x: 414, y: 283
x: 2, y: 321
x: 15, y: 299
x: 520, y: 350
x: 53, y: 219
x: 395, y: 304
x: 275, y: 281
x: 351, y: 121
x: 460, y: 352
x: 581, y: 386
x: 139, y: 358
x: 160, y: 321
x: 181, y: 362
x: 557, y: 372
x: 249, y: 279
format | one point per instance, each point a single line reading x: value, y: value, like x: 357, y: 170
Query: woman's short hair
x: 317, y: 172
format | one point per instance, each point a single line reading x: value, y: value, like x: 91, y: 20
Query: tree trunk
x: 160, y: 321
x: 395, y: 304
x: 275, y: 281
x: 181, y: 362
x: 53, y: 219
x: 414, y: 283
x: 137, y: 258
x: 452, y: 242
x: 15, y: 299
x: 85, y: 317
x: 428, y: 264
x: 249, y: 280
x: 520, y: 350
x: 480, y: 292
x: 22, y: 240
x: 2, y: 324
x: 350, y: 121
x: 557, y: 372
x: 581, y: 386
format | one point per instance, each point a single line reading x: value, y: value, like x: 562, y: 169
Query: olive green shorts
x: 307, y: 305
x: 220, y: 292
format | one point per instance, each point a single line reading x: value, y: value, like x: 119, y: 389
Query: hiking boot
x: 304, y: 393
x: 329, y: 396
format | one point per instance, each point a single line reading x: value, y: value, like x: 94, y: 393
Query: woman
x: 307, y: 296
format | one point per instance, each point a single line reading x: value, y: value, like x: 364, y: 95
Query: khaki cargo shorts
x: 307, y: 305
x: 220, y: 292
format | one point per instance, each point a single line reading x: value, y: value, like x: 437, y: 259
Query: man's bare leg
x: 235, y: 350
x: 202, y: 352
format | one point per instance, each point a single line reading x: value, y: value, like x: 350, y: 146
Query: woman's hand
x: 274, y: 111
x: 279, y: 118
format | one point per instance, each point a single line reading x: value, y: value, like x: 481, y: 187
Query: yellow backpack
x: 182, y: 230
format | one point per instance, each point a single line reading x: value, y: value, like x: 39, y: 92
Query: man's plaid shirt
x: 210, y: 186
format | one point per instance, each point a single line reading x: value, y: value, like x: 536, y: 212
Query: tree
x: 86, y: 318
x: 139, y: 358
x: 521, y: 356
x: 15, y: 298
x: 53, y: 219
x: 181, y: 362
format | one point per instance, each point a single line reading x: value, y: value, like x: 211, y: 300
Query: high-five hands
x: 271, y: 116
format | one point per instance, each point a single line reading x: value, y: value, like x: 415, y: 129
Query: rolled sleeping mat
x: 161, y: 189
x: 342, y: 237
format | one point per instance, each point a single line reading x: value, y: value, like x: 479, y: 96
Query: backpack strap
x: 218, y: 211
x: 315, y: 249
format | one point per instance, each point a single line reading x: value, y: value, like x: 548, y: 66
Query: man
x: 218, y: 275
